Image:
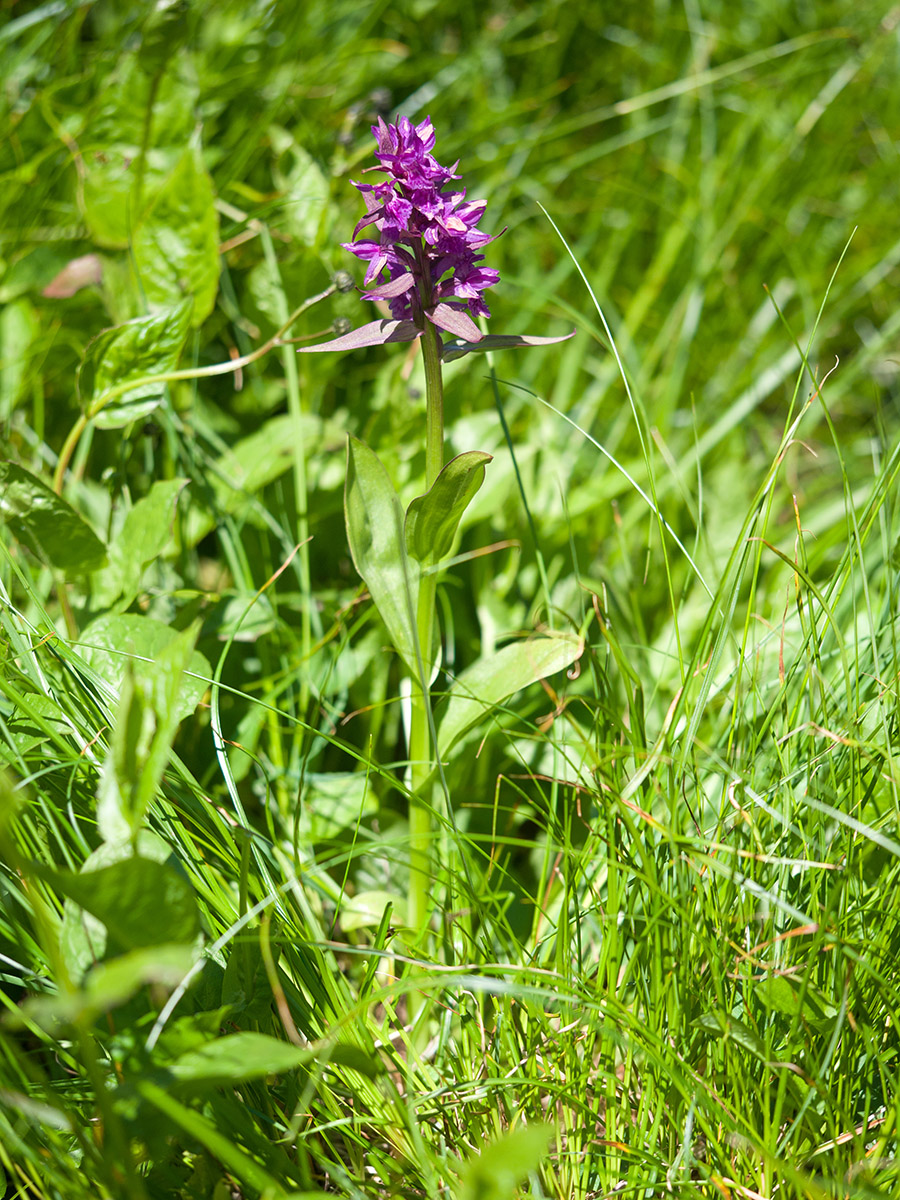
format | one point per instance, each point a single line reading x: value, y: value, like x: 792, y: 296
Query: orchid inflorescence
x: 428, y: 237
x: 425, y: 262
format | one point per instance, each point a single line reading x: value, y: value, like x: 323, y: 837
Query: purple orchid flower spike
x: 424, y: 262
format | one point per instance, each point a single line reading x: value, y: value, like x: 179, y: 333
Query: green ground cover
x: 663, y: 881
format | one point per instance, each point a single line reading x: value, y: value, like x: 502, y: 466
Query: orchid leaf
x: 374, y: 518
x: 455, y: 321
x: 394, y: 287
x: 459, y: 348
x: 376, y: 333
x: 492, y: 679
x: 432, y: 519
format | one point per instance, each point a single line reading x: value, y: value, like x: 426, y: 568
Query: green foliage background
x: 666, y: 886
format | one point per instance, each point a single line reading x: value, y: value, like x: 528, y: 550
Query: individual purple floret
x: 424, y: 262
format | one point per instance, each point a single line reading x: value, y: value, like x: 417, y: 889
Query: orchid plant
x: 421, y: 244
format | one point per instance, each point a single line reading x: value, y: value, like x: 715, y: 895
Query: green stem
x: 421, y: 752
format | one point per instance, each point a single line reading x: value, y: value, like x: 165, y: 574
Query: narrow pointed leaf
x: 432, y: 519
x: 459, y: 347
x: 374, y: 519
x: 376, y: 333
x: 455, y: 321
x: 494, y: 678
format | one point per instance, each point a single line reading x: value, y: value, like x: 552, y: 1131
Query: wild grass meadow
x: 505, y: 808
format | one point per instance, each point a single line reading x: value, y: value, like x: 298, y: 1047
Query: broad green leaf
x: 46, y: 523
x: 334, y: 802
x: 304, y: 204
x: 140, y: 902
x: 83, y: 938
x: 118, y: 381
x: 108, y: 643
x: 719, y: 1025
x: 786, y: 995
x: 432, y: 519
x: 374, y: 519
x: 144, y: 727
x: 112, y: 983
x: 246, y: 617
x: 492, y: 679
x: 176, y: 245
x: 237, y: 1058
x: 242, y: 1056
x: 19, y: 327
x: 108, y: 193
x: 497, y: 1171
x: 145, y: 532
x: 366, y: 909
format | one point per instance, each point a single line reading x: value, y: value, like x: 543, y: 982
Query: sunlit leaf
x: 495, y: 677
x: 374, y: 519
x: 176, y: 245
x: 144, y: 533
x: 141, y: 902
x: 118, y: 380
x: 495, y: 1172
x: 242, y: 1056
x: 107, y: 644
x: 305, y: 189
x: 432, y: 519
x: 144, y: 726
x: 47, y: 523
x: 19, y: 327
